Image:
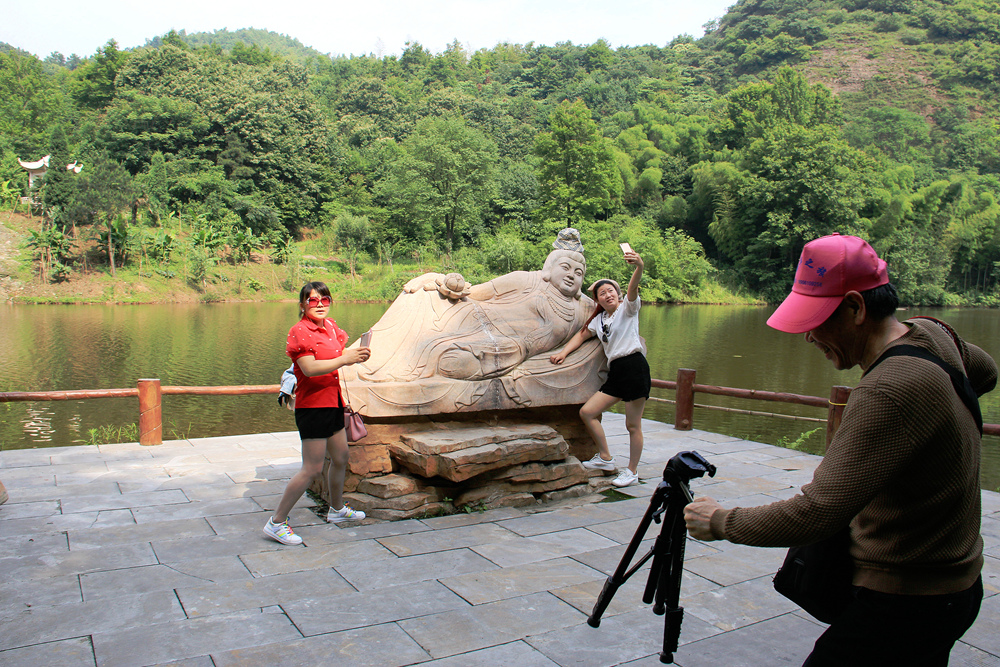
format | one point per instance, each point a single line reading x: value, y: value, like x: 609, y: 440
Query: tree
x: 30, y: 101
x: 577, y: 176
x: 59, y: 183
x: 96, y: 87
x: 106, y: 190
x: 153, y: 186
x: 444, y: 180
x: 352, y: 234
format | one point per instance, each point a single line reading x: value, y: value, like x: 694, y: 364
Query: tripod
x: 663, y: 587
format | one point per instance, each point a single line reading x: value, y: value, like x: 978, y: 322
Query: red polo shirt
x: 324, y: 341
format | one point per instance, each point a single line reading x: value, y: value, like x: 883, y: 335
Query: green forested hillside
x: 716, y: 157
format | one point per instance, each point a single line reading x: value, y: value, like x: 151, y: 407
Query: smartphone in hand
x: 366, y: 338
x: 626, y: 248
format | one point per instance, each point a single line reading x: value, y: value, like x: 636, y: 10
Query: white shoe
x: 597, y: 463
x: 281, y: 532
x: 625, y: 478
x: 345, y: 513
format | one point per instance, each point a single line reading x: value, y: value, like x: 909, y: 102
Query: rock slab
x: 467, y: 452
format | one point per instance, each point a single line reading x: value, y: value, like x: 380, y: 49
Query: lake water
x: 44, y: 348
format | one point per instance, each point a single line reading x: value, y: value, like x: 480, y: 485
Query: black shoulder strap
x: 958, y: 379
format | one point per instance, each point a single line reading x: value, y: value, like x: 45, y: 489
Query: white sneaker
x: 281, y: 532
x: 625, y: 478
x: 345, y: 513
x: 597, y: 463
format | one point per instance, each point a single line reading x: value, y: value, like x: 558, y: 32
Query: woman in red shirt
x: 317, y: 348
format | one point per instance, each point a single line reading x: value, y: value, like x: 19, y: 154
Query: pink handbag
x: 353, y: 424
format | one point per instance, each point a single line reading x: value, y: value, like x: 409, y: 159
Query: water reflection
x: 96, y: 347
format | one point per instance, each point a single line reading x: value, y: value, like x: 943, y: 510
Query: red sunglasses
x: 315, y: 302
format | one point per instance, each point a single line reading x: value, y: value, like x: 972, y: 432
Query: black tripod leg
x: 674, y: 612
x: 622, y: 572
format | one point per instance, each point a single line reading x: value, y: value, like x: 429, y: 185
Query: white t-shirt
x: 622, y: 330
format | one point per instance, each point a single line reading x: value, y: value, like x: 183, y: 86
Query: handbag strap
x: 959, y: 380
x: 346, y: 396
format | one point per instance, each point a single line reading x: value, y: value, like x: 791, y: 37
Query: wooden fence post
x: 150, y: 417
x: 838, y: 399
x: 684, y: 414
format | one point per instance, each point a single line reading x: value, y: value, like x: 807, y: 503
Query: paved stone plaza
x: 122, y: 555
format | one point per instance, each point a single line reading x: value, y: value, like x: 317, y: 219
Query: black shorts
x: 318, y: 423
x: 628, y: 378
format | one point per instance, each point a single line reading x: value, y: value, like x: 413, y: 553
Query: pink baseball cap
x: 829, y: 268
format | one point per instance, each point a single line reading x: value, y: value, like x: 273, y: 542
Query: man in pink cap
x: 902, y: 471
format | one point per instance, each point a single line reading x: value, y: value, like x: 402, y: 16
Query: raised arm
x: 633, y: 283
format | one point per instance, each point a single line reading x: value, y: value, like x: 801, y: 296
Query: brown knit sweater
x: 903, y: 469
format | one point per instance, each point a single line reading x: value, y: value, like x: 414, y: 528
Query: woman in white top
x: 616, y: 322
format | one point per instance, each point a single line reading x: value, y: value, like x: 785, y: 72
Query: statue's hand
x: 424, y: 282
x: 452, y: 286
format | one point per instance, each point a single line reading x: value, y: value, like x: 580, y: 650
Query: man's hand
x: 698, y: 518
x: 557, y: 358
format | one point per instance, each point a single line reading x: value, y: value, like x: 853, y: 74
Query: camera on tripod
x: 663, y: 586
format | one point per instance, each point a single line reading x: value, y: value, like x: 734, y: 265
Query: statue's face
x: 567, y: 276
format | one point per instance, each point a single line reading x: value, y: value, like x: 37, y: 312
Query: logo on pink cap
x: 829, y: 268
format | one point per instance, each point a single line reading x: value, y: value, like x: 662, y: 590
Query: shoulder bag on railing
x: 353, y: 424
x: 817, y: 577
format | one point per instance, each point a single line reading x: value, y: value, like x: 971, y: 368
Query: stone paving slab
x: 222, y: 597
x: 77, y: 562
x: 190, y: 638
x: 315, y: 615
x: 444, y: 539
x: 791, y: 635
x: 502, y: 584
x: 75, y: 504
x: 542, y: 547
x: 210, y: 545
x: 50, y: 623
x: 136, y: 580
x: 187, y: 529
x: 549, y: 522
x: 16, y: 596
x: 130, y: 555
x: 30, y: 545
x: 367, y: 576
x: 195, y: 510
x: 518, y: 653
x: 297, y: 559
x: 324, y: 533
x: 385, y: 645
x: 453, y: 632
x: 77, y: 652
x: 619, y: 640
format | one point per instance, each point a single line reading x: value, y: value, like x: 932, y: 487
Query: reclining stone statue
x: 445, y: 346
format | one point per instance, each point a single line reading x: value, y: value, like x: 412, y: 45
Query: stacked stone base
x: 426, y: 468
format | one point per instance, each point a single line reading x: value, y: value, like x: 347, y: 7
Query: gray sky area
x: 379, y: 27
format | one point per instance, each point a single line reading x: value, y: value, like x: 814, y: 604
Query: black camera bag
x: 817, y: 577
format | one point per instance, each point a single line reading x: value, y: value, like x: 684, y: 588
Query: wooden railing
x: 150, y: 393
x: 685, y: 388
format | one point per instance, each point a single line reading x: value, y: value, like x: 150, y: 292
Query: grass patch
x: 614, y: 495
x: 112, y: 434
